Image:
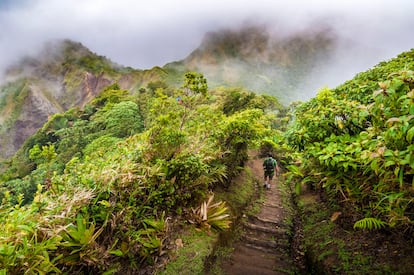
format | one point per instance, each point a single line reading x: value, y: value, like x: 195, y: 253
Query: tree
x: 195, y: 83
x: 123, y: 119
x: 42, y: 155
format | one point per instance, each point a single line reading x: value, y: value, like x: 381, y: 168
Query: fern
x: 370, y: 224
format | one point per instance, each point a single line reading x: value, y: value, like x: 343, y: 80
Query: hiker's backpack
x: 269, y: 165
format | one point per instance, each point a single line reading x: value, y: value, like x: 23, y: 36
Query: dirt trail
x: 264, y: 247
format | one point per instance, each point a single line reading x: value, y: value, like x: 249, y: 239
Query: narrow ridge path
x: 264, y: 247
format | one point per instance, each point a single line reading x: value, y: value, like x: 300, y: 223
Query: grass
x: 202, y: 251
x: 244, y: 199
x: 201, y: 247
x: 189, y: 259
x: 286, y: 195
x: 240, y: 193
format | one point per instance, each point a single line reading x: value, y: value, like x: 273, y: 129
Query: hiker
x: 179, y: 100
x: 269, y: 167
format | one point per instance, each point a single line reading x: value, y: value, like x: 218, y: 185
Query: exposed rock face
x: 92, y: 85
x: 63, y: 76
x: 35, y: 111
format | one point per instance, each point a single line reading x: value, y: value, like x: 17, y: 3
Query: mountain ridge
x: 64, y: 75
x: 256, y: 58
x: 253, y: 57
x: 108, y: 187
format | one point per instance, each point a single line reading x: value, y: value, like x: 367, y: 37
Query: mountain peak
x: 58, y: 55
x: 263, y: 59
x: 64, y: 74
x: 228, y: 43
x: 257, y: 43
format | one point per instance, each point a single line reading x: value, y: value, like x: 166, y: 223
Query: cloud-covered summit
x: 143, y: 34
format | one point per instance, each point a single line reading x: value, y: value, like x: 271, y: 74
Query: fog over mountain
x: 262, y: 60
x: 143, y: 34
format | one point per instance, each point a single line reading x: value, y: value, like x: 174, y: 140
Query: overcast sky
x: 146, y: 33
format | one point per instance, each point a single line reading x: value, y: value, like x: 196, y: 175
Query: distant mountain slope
x: 260, y: 60
x: 64, y: 75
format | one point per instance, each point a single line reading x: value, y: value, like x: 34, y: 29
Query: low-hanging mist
x: 267, y: 60
x: 152, y: 33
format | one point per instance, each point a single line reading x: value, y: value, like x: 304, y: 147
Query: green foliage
x: 363, y: 84
x: 155, y: 85
x: 295, y: 175
x: 165, y: 142
x: 355, y: 142
x: 370, y: 224
x: 16, y: 189
x: 30, y: 235
x: 112, y: 94
x: 12, y: 96
x: 267, y: 146
x: 195, y: 83
x: 94, y: 189
x: 80, y: 240
x: 44, y: 155
x: 107, y: 186
x: 325, y: 115
x: 236, y: 133
x: 56, y: 122
x: 96, y: 64
x: 100, y: 145
x: 123, y: 119
x: 236, y: 100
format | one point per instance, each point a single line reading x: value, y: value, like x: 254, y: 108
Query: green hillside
x: 64, y: 75
x: 97, y: 188
x: 125, y: 159
x: 354, y: 145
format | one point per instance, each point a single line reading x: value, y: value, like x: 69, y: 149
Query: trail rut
x: 264, y: 247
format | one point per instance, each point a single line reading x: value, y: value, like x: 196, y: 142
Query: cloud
x: 143, y: 34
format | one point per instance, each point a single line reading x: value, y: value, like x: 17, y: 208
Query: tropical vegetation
x: 97, y: 189
x: 355, y: 142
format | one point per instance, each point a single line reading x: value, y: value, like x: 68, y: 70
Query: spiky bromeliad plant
x: 211, y: 215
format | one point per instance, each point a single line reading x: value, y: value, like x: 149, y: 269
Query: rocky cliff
x: 64, y: 75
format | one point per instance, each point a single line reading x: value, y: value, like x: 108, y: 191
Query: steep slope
x: 102, y: 190
x: 261, y: 60
x: 67, y: 74
x: 24, y: 115
x: 355, y: 147
x: 64, y: 75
